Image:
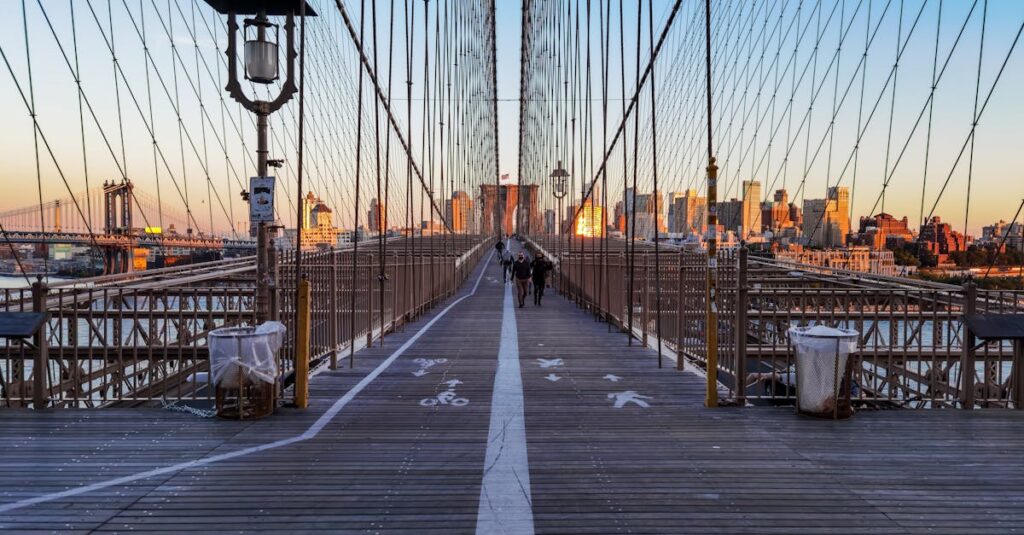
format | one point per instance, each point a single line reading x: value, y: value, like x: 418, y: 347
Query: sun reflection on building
x: 590, y: 222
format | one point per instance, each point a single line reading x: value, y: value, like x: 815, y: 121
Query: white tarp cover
x: 821, y: 354
x: 251, y: 350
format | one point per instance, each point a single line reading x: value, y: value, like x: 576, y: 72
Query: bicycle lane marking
x: 313, y: 430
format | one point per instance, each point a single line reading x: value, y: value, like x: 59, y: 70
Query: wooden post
x: 741, y: 327
x: 967, y: 352
x: 41, y: 363
x: 302, y: 349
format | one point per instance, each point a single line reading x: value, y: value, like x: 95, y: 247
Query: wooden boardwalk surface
x: 386, y: 460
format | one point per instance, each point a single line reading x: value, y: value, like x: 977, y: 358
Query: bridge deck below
x: 612, y: 443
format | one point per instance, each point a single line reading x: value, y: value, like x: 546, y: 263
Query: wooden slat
x: 387, y: 464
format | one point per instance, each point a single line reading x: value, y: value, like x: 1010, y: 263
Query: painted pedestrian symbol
x: 549, y: 363
x: 612, y: 378
x: 629, y: 396
x: 448, y: 397
x: 552, y: 377
x: 425, y: 364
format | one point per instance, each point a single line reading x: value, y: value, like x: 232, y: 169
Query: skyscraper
x: 376, y: 217
x: 690, y: 213
x: 751, y: 223
x: 827, y: 221
x: 458, y: 211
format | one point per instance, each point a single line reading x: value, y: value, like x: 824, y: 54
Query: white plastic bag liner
x: 253, y: 351
x: 821, y: 354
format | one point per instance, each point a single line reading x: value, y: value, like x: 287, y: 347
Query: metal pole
x: 41, y: 363
x: 263, y: 239
x: 711, y: 310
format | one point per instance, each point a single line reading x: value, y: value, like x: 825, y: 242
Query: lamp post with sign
x: 261, y: 67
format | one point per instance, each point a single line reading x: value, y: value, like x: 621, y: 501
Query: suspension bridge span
x: 701, y: 176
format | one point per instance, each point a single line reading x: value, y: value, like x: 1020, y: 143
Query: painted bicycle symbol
x: 448, y: 397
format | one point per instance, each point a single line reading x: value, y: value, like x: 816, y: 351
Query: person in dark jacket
x: 506, y: 266
x: 541, y: 267
x: 521, y: 272
x: 499, y: 248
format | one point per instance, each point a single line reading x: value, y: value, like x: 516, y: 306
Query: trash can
x: 244, y: 369
x: 823, y: 371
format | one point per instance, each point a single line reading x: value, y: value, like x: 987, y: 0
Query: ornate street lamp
x: 558, y: 177
x: 261, y: 67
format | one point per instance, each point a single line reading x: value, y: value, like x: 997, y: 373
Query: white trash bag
x: 247, y: 352
x: 821, y: 355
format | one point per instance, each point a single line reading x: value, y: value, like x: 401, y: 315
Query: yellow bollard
x: 302, y: 346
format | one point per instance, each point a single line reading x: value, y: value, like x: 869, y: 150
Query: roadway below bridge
x: 485, y: 417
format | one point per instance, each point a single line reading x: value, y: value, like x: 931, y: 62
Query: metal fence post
x: 302, y: 349
x: 645, y: 317
x: 967, y: 351
x: 41, y: 363
x: 740, y: 327
x: 679, y: 313
x: 335, y: 319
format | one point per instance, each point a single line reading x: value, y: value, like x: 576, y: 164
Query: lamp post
x: 261, y: 67
x: 558, y: 177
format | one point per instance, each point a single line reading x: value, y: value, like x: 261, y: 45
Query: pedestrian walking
x: 541, y: 267
x: 521, y: 271
x: 499, y: 248
x: 506, y: 266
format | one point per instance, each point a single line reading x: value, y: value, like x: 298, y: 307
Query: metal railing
x: 911, y: 352
x: 137, y: 341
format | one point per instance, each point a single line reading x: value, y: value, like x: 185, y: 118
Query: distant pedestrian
x: 499, y: 248
x: 521, y: 271
x: 541, y: 267
x: 506, y: 266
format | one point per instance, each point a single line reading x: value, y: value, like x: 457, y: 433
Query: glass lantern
x: 260, y: 54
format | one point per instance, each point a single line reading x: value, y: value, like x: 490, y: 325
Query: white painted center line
x: 505, y: 503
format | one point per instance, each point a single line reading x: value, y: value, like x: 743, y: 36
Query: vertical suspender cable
x: 299, y: 178
x: 636, y: 141
x: 974, y: 116
x: 931, y: 109
x: 654, y: 173
x: 382, y: 207
x: 355, y: 226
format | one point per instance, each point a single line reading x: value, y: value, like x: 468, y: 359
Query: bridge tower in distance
x: 117, y: 226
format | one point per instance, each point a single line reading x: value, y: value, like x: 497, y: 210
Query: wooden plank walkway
x: 391, y: 460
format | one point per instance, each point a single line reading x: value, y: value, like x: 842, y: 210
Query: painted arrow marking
x: 629, y: 396
x: 549, y: 363
x: 452, y: 383
x: 425, y: 364
x: 552, y: 377
x: 612, y: 378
